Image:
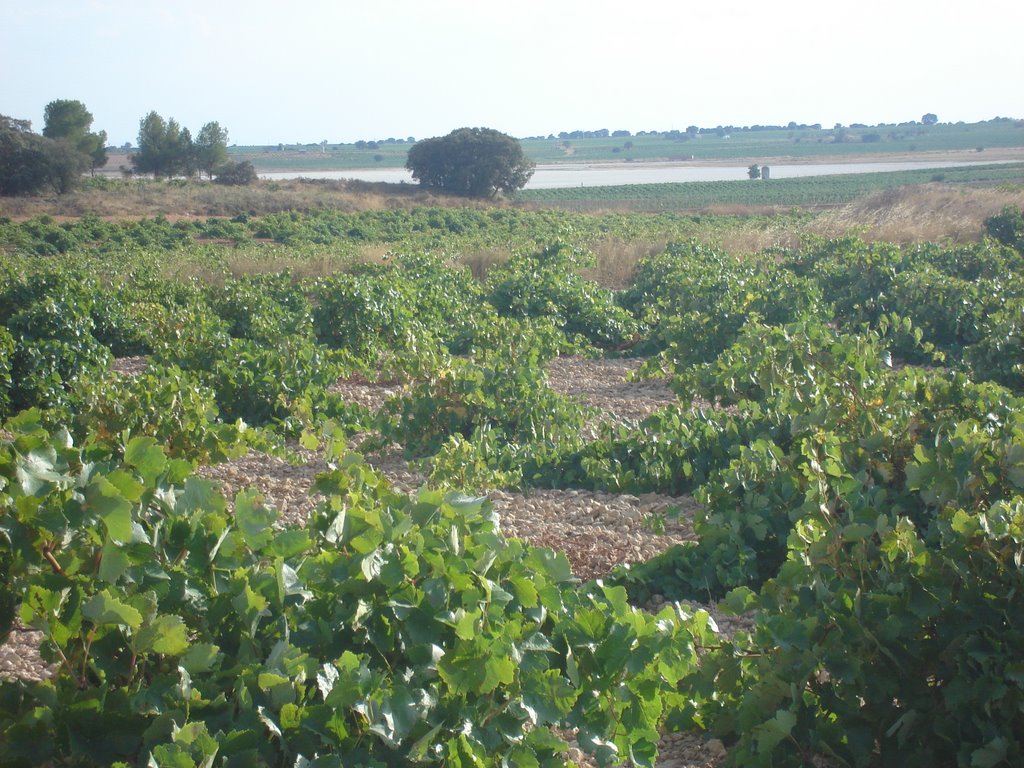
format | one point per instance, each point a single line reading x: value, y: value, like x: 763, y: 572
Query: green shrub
x: 125, y: 321
x: 166, y: 403
x: 548, y: 285
x: 365, y: 314
x: 264, y: 308
x: 54, y: 346
x: 501, y: 388
x: 696, y: 300
x: 184, y: 634
x: 1007, y: 227
x: 999, y: 354
x: 260, y: 384
x: 7, y: 348
x: 235, y: 174
x: 881, y: 527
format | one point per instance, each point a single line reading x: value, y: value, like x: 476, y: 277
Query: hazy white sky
x: 308, y: 70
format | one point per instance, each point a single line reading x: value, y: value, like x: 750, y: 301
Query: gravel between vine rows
x: 596, y: 531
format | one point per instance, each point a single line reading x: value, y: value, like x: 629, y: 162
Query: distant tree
x: 162, y: 147
x: 30, y: 163
x: 211, y: 148
x: 754, y: 171
x: 930, y: 118
x: 476, y: 162
x: 235, y: 174
x: 22, y: 158
x: 70, y: 121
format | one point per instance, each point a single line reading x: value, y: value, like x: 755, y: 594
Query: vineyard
x: 801, y: 192
x: 835, y: 429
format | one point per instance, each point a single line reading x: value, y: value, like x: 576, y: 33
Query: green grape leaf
x: 145, y: 455
x: 166, y: 635
x: 104, y: 608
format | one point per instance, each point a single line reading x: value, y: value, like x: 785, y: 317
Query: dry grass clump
x: 617, y: 260
x: 130, y: 198
x: 482, y: 260
x: 930, y: 212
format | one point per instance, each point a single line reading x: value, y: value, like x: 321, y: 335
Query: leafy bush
x: 548, y: 284
x: 999, y: 354
x: 390, y: 630
x: 948, y: 310
x: 6, y: 353
x: 264, y: 308
x: 54, y: 345
x: 880, y: 525
x: 853, y: 276
x: 166, y: 403
x: 259, y: 384
x: 413, y: 303
x: 235, y: 174
x: 450, y: 304
x: 696, y: 300
x: 501, y: 388
x: 365, y: 314
x: 673, y: 451
x: 1007, y: 227
x: 125, y: 321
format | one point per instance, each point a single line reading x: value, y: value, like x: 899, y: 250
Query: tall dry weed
x: 481, y: 261
x: 137, y: 198
x: 931, y: 212
x: 617, y: 259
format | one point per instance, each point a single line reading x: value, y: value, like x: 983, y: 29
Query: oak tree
x: 475, y: 162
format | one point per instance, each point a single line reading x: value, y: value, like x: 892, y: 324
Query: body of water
x: 608, y: 175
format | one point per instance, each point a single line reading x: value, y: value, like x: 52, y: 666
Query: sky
x: 305, y: 71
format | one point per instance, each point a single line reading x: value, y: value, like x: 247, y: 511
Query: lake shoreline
x: 603, y: 174
x: 308, y: 163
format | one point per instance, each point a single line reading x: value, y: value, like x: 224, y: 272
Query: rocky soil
x: 597, y: 531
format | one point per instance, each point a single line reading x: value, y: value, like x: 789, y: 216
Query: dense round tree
x: 69, y: 120
x: 476, y: 162
x: 31, y: 164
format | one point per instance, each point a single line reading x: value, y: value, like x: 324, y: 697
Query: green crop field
x: 718, y: 145
x: 797, y: 143
x: 800, y: 192
x: 839, y: 431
